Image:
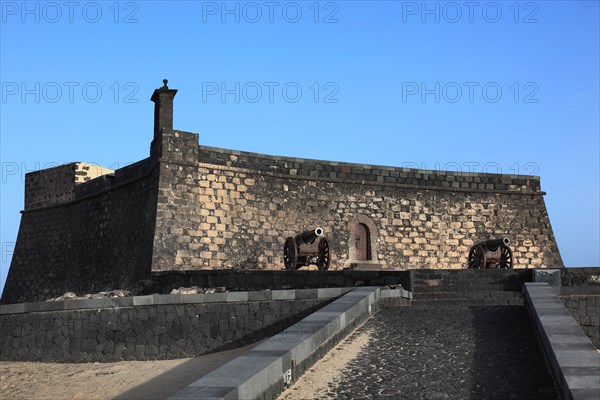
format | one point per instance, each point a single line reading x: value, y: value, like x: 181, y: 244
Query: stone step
x: 465, y: 287
x: 524, y: 275
x: 492, y: 294
x: 467, y: 302
x: 470, y: 279
x: 442, y: 282
x: 487, y: 271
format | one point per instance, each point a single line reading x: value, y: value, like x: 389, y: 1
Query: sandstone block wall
x: 234, y: 209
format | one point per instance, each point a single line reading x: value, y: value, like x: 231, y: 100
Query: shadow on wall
x: 508, y: 356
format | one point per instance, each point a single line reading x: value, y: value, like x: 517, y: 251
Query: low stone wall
x: 580, y: 293
x: 580, y: 277
x: 151, y: 327
x: 239, y: 279
x: 572, y: 357
x: 586, y: 311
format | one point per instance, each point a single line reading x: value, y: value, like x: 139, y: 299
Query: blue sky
x: 509, y: 87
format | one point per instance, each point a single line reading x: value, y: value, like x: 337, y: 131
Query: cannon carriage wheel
x: 323, y: 255
x: 477, y: 257
x: 290, y: 254
x: 505, y: 258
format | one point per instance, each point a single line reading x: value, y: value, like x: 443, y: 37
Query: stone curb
x: 574, y: 360
x: 263, y: 371
x: 154, y: 299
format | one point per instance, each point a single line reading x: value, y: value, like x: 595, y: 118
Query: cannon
x: 309, y: 247
x: 491, y: 254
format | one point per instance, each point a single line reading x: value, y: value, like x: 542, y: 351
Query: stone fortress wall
x: 196, y: 207
x: 101, y: 237
x: 246, y: 204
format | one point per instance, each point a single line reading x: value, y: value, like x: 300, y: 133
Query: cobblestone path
x: 476, y: 353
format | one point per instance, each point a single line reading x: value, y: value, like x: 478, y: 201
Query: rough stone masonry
x: 195, y: 207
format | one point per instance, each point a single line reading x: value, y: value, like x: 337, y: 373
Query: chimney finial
x: 165, y: 81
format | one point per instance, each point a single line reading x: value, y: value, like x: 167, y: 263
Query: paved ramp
x: 453, y: 353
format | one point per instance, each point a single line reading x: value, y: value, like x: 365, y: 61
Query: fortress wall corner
x: 97, y: 238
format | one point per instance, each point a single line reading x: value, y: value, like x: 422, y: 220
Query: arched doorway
x: 362, y: 242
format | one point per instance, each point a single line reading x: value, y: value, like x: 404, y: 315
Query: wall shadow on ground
x: 179, y: 377
x: 508, y: 357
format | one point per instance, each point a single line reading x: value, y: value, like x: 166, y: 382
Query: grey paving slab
x: 167, y: 299
x: 284, y: 294
x: 573, y: 330
x: 144, y: 300
x: 583, y: 381
x: 238, y: 371
x: 577, y: 358
x: 215, y: 298
x: 391, y: 293
x: 306, y: 293
x: 586, y: 394
x: 327, y: 293
x: 237, y: 296
x: 193, y: 298
x: 571, y: 345
x: 583, y: 371
x: 266, y: 353
x: 558, y: 320
x: 269, y: 375
x: 12, y: 308
x: 259, y: 295
x: 206, y: 393
x: 46, y: 306
x: 323, y: 315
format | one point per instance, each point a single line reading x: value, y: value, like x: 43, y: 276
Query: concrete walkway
x: 179, y: 377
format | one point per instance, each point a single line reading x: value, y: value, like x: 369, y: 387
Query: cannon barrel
x: 310, y: 236
x: 495, y: 243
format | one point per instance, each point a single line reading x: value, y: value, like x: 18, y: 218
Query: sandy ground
x: 325, y: 372
x: 148, y: 380
x: 123, y: 380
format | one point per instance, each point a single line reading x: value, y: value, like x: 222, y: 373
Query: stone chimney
x: 163, y: 116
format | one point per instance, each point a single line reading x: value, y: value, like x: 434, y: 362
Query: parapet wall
x: 57, y: 185
x: 580, y: 293
x: 150, y: 327
x: 586, y: 311
x: 365, y: 174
